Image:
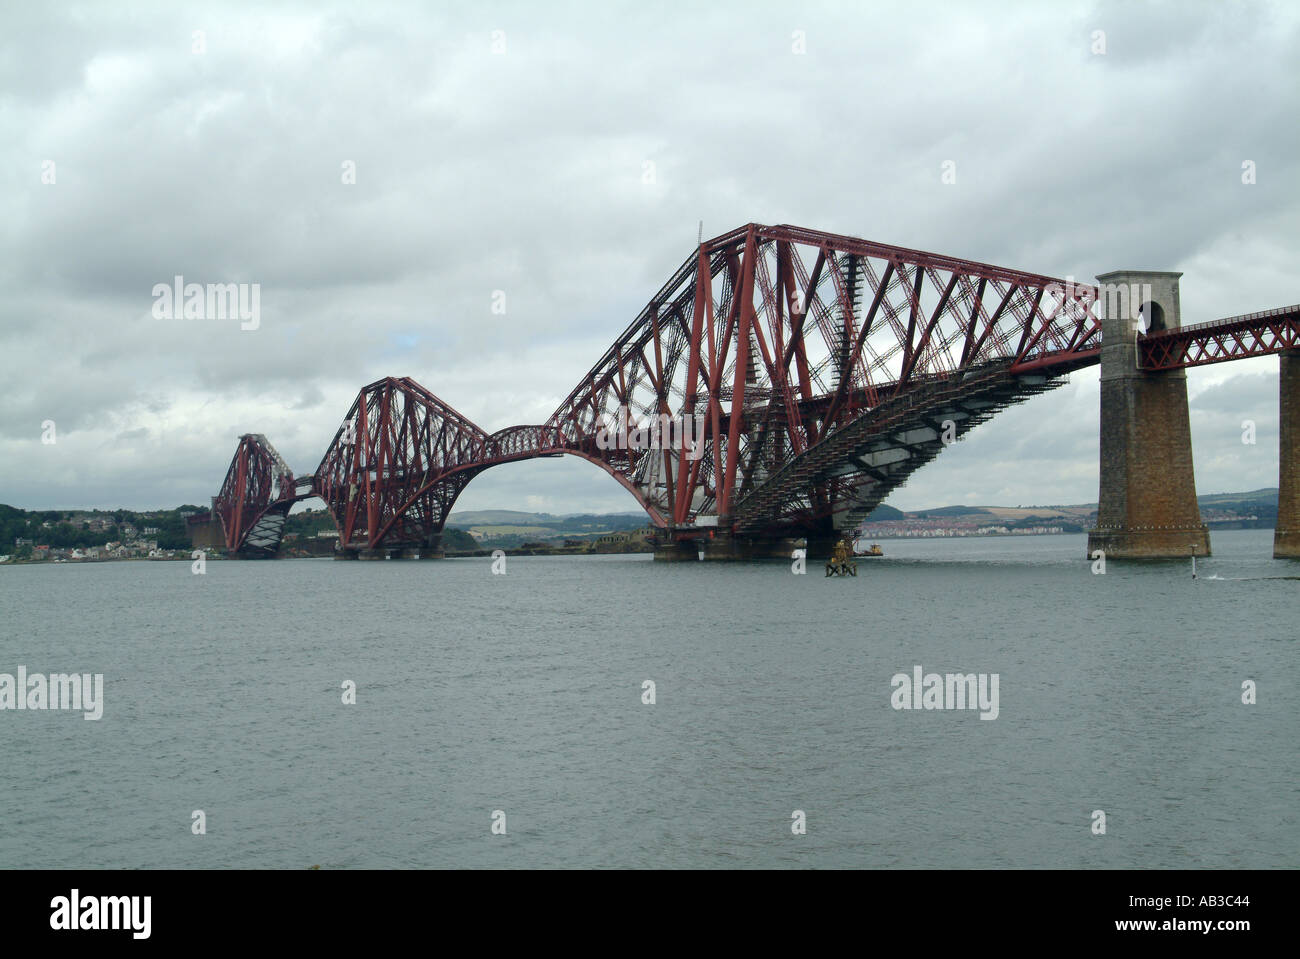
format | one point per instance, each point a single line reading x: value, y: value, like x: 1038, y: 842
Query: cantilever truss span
x: 782, y: 382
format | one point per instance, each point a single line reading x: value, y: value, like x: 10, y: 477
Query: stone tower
x: 1286, y: 535
x: 1147, y: 500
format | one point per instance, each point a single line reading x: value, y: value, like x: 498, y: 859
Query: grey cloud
x: 523, y: 172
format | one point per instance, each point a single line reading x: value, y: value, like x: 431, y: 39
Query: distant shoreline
x: 219, y: 558
x: 488, y: 553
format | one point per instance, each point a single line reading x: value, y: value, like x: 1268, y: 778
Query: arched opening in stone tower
x: 1153, y: 317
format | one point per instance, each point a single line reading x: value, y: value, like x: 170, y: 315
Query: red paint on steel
x: 772, y: 359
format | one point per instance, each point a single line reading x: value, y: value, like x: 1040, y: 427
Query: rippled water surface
x: 522, y: 693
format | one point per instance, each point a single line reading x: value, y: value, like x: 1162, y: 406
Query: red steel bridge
x: 818, y: 372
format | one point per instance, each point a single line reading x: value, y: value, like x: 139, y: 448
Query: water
x: 522, y: 693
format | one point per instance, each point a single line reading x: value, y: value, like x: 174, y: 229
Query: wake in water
x: 1242, y: 579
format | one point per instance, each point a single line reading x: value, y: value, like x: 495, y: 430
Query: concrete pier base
x: 1138, y: 543
x: 1147, y: 501
x: 750, y: 548
x: 1286, y: 534
x: 677, y: 552
x: 395, y: 552
x: 723, y: 548
x: 820, y: 545
x: 206, y: 533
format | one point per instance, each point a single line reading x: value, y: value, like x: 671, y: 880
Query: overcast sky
x: 506, y: 147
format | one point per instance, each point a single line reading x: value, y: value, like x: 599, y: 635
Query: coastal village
x: 97, y: 537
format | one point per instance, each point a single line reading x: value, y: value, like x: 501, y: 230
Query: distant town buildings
x: 1022, y: 522
x: 131, y: 546
x: 928, y: 525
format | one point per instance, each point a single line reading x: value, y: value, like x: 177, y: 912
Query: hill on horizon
x: 1266, y: 496
x: 882, y: 513
x: 629, y: 518
x: 513, y: 517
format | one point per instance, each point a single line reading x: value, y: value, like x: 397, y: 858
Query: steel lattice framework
x: 1234, y: 338
x: 397, y: 464
x: 775, y: 339
x: 257, y: 481
x: 781, y: 383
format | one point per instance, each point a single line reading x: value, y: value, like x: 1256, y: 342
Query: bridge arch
x: 448, y: 488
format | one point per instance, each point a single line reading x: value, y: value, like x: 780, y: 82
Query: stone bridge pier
x: 1286, y: 533
x: 1147, y: 500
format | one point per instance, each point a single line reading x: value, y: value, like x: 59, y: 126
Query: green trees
x: 172, y: 533
x: 67, y: 532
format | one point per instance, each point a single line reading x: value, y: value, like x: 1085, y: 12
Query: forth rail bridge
x: 822, y: 371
